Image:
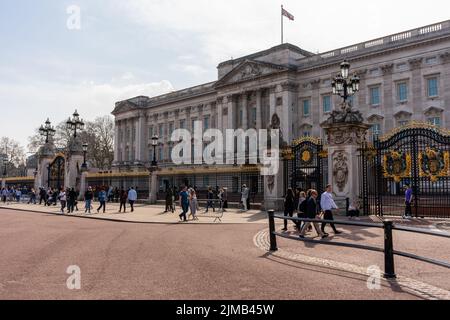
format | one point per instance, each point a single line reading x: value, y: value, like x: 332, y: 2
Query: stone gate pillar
x: 153, y: 187
x: 345, y: 133
x: 45, y: 156
x: 74, y: 161
x: 274, y: 190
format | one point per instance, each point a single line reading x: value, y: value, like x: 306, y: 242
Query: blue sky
x: 150, y: 47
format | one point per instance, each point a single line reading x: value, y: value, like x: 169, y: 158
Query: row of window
x: 375, y: 96
x: 159, y: 130
x: 376, y: 127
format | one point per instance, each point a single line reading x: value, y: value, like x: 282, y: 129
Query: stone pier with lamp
x: 345, y: 131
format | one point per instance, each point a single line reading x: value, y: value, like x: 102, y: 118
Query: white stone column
x: 141, y: 137
x: 244, y: 110
x: 258, y: 109
x: 116, y: 141
x: 220, y: 113
x: 231, y: 122
x: 231, y: 115
x: 137, y: 139
x: 272, y: 102
x: 289, y: 103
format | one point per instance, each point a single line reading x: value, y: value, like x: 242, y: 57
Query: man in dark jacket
x: 312, y: 213
x: 71, y: 198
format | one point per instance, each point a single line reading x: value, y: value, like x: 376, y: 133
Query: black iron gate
x: 417, y: 156
x: 306, y: 165
x: 56, y: 173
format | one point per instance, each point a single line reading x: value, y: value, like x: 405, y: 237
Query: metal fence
x: 388, y: 248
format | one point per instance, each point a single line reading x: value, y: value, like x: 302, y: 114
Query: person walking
x: 88, y: 197
x: 184, y: 203
x: 110, y: 194
x: 71, y: 199
x: 32, y: 195
x: 123, y: 200
x: 42, y: 196
x: 193, y: 203
x: 301, y: 208
x: 102, y: 200
x: 289, y: 200
x: 328, y: 205
x: 18, y: 195
x: 169, y: 200
x: 4, y: 195
x: 408, y: 201
x: 210, y: 200
x: 132, y: 198
x: 244, y: 197
x: 62, y: 199
x: 312, y: 213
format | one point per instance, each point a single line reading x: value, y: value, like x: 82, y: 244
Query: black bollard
x: 389, y: 268
x: 273, y: 237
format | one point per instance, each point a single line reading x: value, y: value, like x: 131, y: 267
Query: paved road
x: 133, y: 261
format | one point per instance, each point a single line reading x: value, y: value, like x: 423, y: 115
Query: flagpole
x: 282, y: 25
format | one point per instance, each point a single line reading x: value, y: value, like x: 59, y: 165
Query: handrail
x: 388, y: 227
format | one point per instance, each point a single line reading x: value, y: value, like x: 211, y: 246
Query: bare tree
x: 14, y: 154
x: 99, y: 135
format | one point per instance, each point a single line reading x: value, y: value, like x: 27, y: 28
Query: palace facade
x: 405, y: 77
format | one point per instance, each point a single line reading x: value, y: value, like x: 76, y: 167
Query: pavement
x: 148, y: 214
x: 225, y: 261
x: 160, y: 261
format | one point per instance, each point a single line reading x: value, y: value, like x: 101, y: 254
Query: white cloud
x: 235, y: 28
x: 59, y: 101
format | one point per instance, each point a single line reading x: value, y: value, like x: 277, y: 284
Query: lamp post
x: 153, y: 168
x: 47, y: 130
x: 155, y: 140
x: 75, y: 123
x: 85, y: 149
x: 344, y: 86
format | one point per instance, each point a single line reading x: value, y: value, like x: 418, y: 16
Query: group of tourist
x: 103, y: 198
x: 68, y: 197
x: 308, y: 206
x: 11, y: 194
x: 188, y: 201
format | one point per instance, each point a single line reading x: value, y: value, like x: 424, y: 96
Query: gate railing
x: 388, y: 249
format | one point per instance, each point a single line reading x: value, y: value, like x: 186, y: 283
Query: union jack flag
x: 287, y: 14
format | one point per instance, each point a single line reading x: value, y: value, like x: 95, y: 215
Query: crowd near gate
x: 306, y: 165
x: 415, y: 156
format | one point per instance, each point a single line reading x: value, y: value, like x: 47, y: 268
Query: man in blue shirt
x: 184, y: 203
x: 132, y: 198
x: 408, y: 200
x: 328, y: 205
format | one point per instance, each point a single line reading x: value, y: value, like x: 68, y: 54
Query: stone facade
x: 404, y: 77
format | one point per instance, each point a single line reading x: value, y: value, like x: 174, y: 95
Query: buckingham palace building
x: 404, y: 77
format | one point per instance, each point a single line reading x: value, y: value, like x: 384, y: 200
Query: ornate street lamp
x: 47, y: 130
x: 344, y: 86
x: 85, y: 149
x: 75, y: 124
x: 155, y: 141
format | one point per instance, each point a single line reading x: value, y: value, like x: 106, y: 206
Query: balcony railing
x: 391, y: 40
